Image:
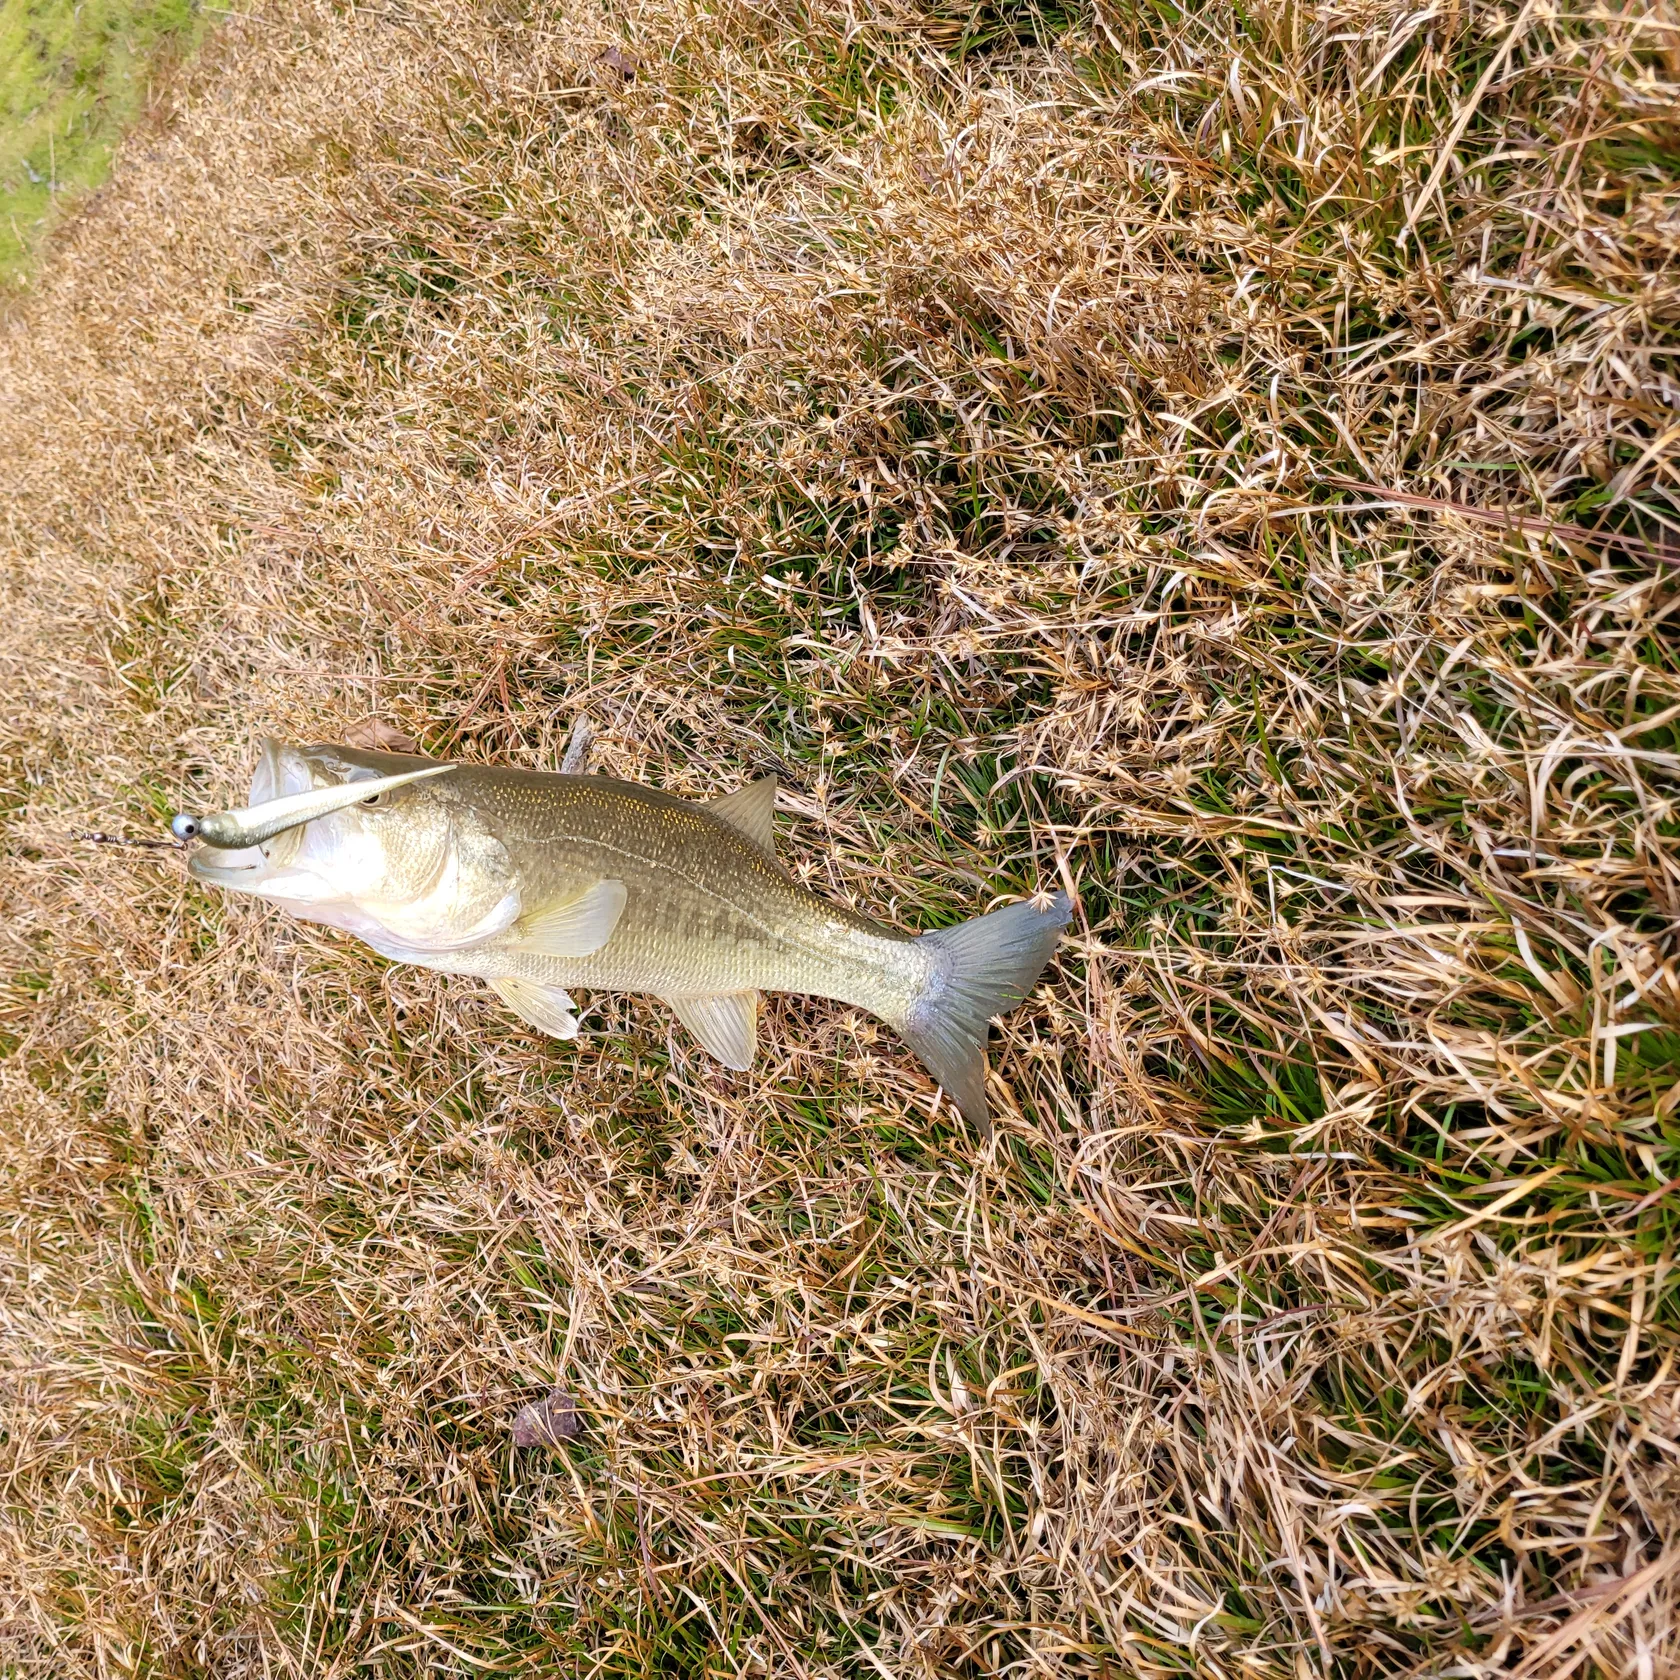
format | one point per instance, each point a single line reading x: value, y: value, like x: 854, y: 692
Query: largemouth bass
x: 537, y: 882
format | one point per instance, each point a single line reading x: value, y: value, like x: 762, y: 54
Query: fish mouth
x: 262, y: 877
x: 280, y: 771
x: 220, y: 868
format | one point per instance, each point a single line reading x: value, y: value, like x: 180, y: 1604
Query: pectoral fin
x: 726, y: 1023
x: 575, y: 928
x: 751, y: 811
x: 546, y: 1008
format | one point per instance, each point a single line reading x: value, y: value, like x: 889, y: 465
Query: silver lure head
x: 377, y: 843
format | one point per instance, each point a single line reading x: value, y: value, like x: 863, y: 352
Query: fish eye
x: 373, y: 799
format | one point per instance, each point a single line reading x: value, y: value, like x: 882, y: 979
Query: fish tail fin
x: 980, y: 969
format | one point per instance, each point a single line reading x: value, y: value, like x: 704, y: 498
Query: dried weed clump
x: 1222, y: 459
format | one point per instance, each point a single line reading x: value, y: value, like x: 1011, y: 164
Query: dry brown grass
x: 941, y: 405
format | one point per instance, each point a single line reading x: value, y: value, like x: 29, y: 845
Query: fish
x: 538, y: 882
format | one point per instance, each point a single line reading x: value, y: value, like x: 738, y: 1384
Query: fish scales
x: 707, y: 910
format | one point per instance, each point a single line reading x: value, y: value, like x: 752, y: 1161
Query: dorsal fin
x: 751, y: 811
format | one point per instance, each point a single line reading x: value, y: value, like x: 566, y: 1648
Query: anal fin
x: 546, y: 1008
x: 726, y: 1024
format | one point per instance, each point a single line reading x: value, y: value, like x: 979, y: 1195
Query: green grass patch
x: 74, y: 77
